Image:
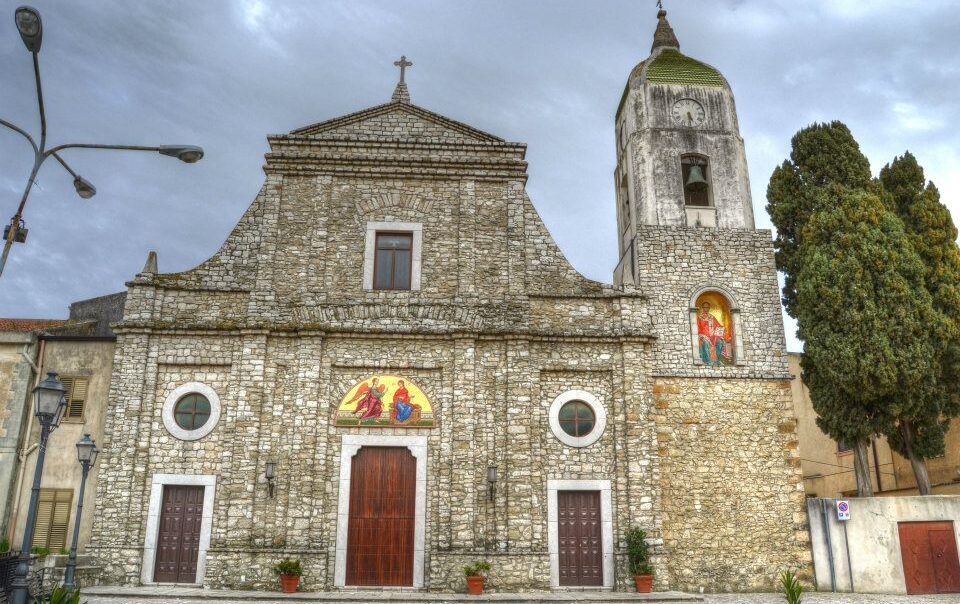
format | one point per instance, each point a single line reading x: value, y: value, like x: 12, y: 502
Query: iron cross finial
x: 660, y: 4
x: 403, y: 63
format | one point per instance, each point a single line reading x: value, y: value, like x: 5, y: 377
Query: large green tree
x: 822, y: 156
x: 863, y: 314
x: 924, y: 413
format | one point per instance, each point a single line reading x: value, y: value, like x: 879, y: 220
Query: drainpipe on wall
x: 22, y: 458
x: 846, y: 544
x: 826, y: 534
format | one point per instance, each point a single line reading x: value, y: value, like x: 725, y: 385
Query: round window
x: 192, y: 411
x: 577, y: 418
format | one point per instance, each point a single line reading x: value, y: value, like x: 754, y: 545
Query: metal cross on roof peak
x: 403, y: 63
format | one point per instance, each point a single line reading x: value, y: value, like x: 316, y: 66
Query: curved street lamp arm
x: 54, y: 150
x: 64, y: 164
x: 21, y: 131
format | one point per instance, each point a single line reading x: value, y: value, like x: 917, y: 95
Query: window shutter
x: 53, y: 519
x: 41, y: 530
x: 61, y: 520
x: 76, y: 393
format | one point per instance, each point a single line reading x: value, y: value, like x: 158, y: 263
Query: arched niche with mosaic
x: 385, y: 401
x: 715, y: 328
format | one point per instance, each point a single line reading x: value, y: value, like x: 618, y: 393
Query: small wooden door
x: 930, y: 563
x: 178, y: 541
x: 383, y: 487
x: 579, y: 538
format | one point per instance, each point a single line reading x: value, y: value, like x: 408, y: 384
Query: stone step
x: 394, y: 596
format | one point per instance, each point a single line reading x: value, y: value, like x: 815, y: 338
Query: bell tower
x: 680, y: 158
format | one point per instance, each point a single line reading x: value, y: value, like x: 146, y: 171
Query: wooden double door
x: 579, y: 538
x: 383, y: 486
x: 929, y: 551
x: 178, y: 541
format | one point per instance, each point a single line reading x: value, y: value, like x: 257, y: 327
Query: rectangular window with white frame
x: 392, y: 256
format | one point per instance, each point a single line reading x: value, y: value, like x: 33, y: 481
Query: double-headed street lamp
x: 87, y: 456
x: 50, y: 403
x: 31, y: 30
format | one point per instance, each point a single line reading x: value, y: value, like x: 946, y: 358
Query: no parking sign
x: 843, y: 509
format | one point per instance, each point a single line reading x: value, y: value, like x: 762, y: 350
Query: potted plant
x: 638, y: 557
x: 476, y: 574
x: 290, y: 572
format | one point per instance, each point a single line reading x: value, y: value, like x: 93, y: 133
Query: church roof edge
x: 396, y: 105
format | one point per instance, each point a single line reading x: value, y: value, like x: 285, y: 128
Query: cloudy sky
x: 224, y: 74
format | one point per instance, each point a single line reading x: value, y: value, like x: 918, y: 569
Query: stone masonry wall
x: 733, y: 498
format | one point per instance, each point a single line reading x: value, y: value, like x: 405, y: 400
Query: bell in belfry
x: 696, y: 181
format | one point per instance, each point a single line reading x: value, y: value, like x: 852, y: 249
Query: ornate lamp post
x: 31, y: 30
x: 50, y: 404
x: 87, y: 456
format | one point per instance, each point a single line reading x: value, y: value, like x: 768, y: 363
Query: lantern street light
x: 87, y: 456
x: 50, y: 403
x: 31, y: 30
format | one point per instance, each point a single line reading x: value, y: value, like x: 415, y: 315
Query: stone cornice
x: 295, y: 331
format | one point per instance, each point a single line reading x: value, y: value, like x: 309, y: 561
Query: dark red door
x: 178, y: 542
x: 578, y: 532
x: 930, y: 563
x: 383, y: 486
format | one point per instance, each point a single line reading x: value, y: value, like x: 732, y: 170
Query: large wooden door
x: 178, y: 542
x: 383, y: 486
x: 930, y: 563
x: 579, y: 538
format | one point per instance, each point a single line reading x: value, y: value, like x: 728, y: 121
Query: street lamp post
x: 87, y: 456
x: 50, y: 403
x: 31, y: 30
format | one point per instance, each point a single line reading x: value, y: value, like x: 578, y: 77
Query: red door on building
x: 930, y: 563
x: 579, y: 538
x: 178, y: 541
x: 383, y: 486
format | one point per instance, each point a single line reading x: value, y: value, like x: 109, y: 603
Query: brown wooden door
x: 579, y: 538
x: 383, y: 486
x: 930, y: 563
x: 178, y: 541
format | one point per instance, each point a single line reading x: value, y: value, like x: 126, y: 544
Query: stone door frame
x: 350, y: 444
x: 606, y: 528
x: 209, y: 484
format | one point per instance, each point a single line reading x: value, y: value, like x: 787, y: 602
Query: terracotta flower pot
x: 644, y: 583
x: 475, y: 585
x: 288, y: 583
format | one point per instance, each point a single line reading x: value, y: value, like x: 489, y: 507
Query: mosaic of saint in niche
x: 385, y: 401
x: 714, y: 329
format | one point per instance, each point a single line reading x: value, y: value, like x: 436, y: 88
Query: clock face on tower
x: 688, y: 112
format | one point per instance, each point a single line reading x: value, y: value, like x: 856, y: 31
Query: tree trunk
x: 861, y: 467
x: 917, y: 462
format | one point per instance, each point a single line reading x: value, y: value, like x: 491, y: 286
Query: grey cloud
x: 225, y: 74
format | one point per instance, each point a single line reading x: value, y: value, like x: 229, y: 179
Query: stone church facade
x: 550, y: 413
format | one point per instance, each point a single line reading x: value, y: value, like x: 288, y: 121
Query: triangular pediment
x: 398, y: 121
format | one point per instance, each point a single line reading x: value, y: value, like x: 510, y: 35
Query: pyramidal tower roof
x: 667, y: 65
x: 664, y: 36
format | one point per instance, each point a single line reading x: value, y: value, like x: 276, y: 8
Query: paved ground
x: 828, y: 598
x: 181, y: 596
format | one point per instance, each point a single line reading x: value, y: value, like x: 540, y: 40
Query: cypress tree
x: 925, y: 412
x: 822, y: 155
x: 863, y: 313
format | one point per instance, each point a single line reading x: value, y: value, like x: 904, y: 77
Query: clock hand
x: 689, y: 118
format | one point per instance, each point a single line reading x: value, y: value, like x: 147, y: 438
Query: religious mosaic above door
x: 385, y: 401
x: 714, y: 329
